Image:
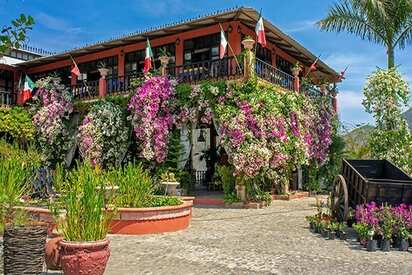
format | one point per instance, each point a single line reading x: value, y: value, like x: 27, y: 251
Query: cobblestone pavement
x: 274, y: 240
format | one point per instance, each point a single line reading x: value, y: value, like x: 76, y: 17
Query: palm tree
x: 385, y: 22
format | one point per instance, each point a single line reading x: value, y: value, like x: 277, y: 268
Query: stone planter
x: 84, y: 258
x: 103, y: 72
x: 138, y: 221
x: 248, y: 43
x: 170, y: 187
x: 52, y: 254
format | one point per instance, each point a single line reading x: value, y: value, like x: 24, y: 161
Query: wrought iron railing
x: 7, y: 98
x: 123, y: 84
x: 225, y: 68
x: 86, y: 90
x: 273, y: 75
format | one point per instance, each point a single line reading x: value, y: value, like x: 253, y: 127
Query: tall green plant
x: 135, y: 186
x: 13, y: 185
x: 86, y: 219
x: 384, y: 22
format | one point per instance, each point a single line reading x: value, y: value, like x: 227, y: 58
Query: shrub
x: 16, y: 123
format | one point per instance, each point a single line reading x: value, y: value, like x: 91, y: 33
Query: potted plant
x: 324, y: 229
x: 403, y: 237
x: 23, y: 240
x: 387, y: 229
x: 362, y: 232
x: 248, y: 42
x: 372, y: 243
x: 86, y: 223
x: 342, y: 228
x: 168, y: 180
x: 296, y: 69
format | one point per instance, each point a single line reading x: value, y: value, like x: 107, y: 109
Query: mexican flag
x: 223, y: 44
x: 260, y: 32
x: 148, y: 58
x: 28, y: 89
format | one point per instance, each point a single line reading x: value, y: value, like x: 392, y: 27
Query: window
x: 90, y: 69
x: 6, y: 81
x: 264, y: 54
x: 63, y: 73
x: 283, y: 64
x: 202, y: 48
x: 134, y: 61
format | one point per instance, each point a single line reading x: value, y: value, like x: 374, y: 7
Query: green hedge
x: 16, y: 122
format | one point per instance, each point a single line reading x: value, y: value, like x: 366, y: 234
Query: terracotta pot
x: 84, y: 258
x: 52, y: 251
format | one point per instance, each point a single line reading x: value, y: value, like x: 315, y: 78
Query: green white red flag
x: 260, y: 32
x: 223, y: 44
x: 27, y: 89
x: 148, y: 58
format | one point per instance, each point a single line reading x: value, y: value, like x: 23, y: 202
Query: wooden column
x: 234, y: 39
x: 179, y: 51
x: 120, y: 64
x: 103, y: 82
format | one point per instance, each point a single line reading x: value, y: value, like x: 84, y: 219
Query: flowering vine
x: 151, y: 116
x: 103, y: 135
x: 52, y: 109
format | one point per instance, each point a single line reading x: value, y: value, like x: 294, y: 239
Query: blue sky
x: 62, y: 25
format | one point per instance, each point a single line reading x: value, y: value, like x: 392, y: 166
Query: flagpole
x: 316, y: 61
x: 256, y: 44
x: 230, y: 47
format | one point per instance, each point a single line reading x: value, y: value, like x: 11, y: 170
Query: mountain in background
x: 356, y: 140
x: 408, y: 116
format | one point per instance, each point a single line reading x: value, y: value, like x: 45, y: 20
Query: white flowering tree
x: 385, y: 95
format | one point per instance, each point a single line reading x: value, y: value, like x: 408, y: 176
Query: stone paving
x: 274, y: 240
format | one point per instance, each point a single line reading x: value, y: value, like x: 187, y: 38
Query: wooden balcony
x: 219, y: 69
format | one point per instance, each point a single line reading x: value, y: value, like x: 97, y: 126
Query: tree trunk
x: 391, y: 57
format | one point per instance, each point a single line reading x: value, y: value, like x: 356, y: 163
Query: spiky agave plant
x: 86, y: 217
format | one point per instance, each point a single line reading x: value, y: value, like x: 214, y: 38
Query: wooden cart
x: 364, y: 181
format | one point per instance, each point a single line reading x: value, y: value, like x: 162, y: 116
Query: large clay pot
x: 84, y: 258
x: 52, y: 251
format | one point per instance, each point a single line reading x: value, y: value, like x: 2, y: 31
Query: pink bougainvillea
x: 152, y: 118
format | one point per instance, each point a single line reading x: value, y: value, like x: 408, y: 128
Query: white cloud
x: 56, y: 24
x: 350, y: 100
x: 300, y: 26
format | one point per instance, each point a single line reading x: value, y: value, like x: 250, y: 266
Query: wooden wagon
x: 364, y: 181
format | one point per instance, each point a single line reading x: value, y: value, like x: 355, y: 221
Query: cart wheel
x: 340, y: 201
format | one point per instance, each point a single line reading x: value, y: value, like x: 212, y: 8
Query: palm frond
x: 350, y: 16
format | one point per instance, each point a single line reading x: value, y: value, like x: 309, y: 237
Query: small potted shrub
x: 362, y: 232
x: 23, y: 239
x: 403, y: 238
x: 333, y: 228
x: 372, y: 243
x: 387, y: 223
x: 85, y: 225
x: 342, y: 228
x: 325, y: 229
x: 312, y: 221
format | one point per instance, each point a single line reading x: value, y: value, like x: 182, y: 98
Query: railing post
x: 103, y: 82
x: 249, y: 60
x: 296, y: 81
x: 164, y: 61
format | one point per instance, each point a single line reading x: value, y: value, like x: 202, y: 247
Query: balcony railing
x: 274, y: 75
x: 226, y: 68
x: 123, y: 84
x: 7, y: 98
x: 86, y: 90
